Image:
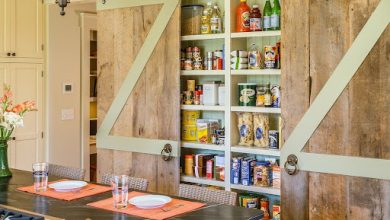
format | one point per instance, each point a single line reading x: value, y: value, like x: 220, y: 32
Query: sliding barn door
x: 138, y: 91
x: 336, y: 56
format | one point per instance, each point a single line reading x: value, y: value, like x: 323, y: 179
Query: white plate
x: 150, y: 201
x: 67, y: 186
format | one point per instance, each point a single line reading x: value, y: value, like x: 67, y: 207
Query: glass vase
x: 4, y: 169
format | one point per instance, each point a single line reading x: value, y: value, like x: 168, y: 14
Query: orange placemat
x: 88, y: 190
x: 175, y: 207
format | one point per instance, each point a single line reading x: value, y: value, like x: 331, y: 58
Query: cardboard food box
x: 219, y: 167
x: 247, y: 165
x: 188, y: 132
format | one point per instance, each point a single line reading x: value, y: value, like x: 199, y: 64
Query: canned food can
x: 273, y: 139
x: 209, y: 62
x: 247, y: 94
x: 191, y: 85
x: 197, y: 65
x: 270, y: 57
x: 188, y: 64
x: 188, y: 97
x: 218, y: 64
x: 188, y: 53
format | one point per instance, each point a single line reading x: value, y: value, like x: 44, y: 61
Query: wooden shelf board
x: 196, y: 145
x: 202, y: 72
x: 203, y: 37
x: 203, y: 107
x: 212, y: 182
x: 261, y: 72
x: 257, y: 189
x: 256, y: 109
x: 255, y: 34
x: 255, y: 150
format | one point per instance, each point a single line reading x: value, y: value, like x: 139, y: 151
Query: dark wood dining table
x: 78, y: 209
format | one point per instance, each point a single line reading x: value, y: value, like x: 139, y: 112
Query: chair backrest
x: 207, y: 195
x: 134, y: 182
x: 66, y: 172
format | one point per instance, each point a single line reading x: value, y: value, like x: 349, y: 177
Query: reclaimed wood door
x: 316, y: 35
x: 138, y: 78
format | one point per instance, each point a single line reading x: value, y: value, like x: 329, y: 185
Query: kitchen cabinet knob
x: 13, y: 138
x: 13, y: 54
x: 8, y: 54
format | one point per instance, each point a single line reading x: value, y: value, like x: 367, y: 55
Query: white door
x: 27, y: 28
x: 26, y: 83
x: 5, y: 34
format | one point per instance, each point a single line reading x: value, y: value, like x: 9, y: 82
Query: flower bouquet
x: 11, y: 117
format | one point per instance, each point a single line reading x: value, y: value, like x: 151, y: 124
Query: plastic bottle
x: 267, y: 16
x: 205, y: 27
x: 275, y: 17
x: 255, y: 19
x: 216, y: 21
x: 254, y: 57
x: 243, y: 17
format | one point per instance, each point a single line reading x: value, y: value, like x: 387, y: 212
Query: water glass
x: 120, y: 189
x: 40, y: 176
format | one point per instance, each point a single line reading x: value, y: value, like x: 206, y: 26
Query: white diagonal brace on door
x: 342, y: 75
x: 141, y: 145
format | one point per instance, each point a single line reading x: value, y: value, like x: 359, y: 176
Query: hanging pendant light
x: 62, y: 4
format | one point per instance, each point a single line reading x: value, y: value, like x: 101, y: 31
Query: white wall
x: 64, y: 136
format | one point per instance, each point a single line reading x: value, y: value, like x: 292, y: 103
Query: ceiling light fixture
x: 62, y: 4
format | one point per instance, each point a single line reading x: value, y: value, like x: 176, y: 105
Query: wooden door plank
x: 329, y: 29
x: 295, y: 99
x: 369, y: 118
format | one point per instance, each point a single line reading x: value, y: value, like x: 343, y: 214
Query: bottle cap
x: 255, y: 6
x: 242, y: 0
x: 215, y: 7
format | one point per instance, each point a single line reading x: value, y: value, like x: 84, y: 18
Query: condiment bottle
x: 255, y: 19
x: 205, y: 27
x: 268, y: 97
x: 267, y: 16
x: 275, y: 16
x: 216, y: 21
x: 242, y: 17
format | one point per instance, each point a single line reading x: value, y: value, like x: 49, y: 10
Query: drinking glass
x: 120, y: 189
x: 40, y: 176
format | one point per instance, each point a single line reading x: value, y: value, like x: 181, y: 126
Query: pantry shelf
x: 212, y: 182
x: 255, y: 150
x: 255, y: 34
x: 257, y: 189
x: 203, y: 37
x: 266, y: 72
x: 196, y: 145
x: 203, y: 107
x: 255, y: 109
x: 202, y: 72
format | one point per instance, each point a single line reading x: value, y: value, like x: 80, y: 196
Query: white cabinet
x: 21, y: 28
x: 26, y: 82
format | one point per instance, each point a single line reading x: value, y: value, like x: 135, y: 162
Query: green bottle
x: 267, y: 12
x: 275, y: 17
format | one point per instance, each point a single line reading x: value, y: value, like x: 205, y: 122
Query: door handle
x: 166, y: 152
x: 291, y: 165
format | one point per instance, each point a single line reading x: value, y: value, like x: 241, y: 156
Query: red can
x: 218, y: 64
x: 209, y: 169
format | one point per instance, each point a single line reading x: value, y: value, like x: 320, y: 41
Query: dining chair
x: 134, y: 182
x: 207, y: 195
x: 66, y: 172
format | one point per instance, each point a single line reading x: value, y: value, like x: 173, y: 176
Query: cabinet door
x: 26, y: 84
x: 27, y: 28
x: 5, y: 23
